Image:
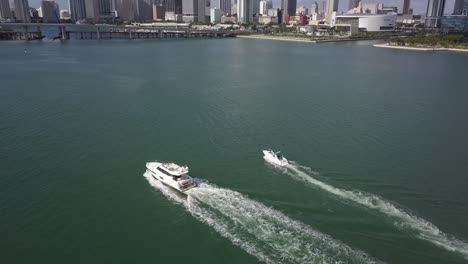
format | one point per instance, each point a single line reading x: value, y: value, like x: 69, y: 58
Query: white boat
x: 172, y: 175
x: 275, y: 158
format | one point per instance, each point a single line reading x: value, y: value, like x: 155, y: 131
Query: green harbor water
x: 378, y: 140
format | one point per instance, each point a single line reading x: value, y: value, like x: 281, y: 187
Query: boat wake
x: 261, y: 231
x: 402, y: 219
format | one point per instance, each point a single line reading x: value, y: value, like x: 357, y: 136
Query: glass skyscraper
x: 458, y: 22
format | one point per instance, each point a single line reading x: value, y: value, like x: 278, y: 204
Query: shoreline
x: 294, y: 39
x: 388, y: 46
x: 308, y: 40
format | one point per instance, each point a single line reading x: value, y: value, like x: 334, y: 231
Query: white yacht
x: 172, y: 175
x: 275, y: 158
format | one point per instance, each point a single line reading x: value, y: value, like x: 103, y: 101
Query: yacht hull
x: 165, y: 179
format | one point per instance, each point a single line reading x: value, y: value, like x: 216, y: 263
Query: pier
x: 33, y: 31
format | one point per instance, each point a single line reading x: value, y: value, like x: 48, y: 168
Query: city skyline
x: 419, y: 7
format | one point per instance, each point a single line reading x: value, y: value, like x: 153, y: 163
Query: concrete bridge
x: 29, y: 31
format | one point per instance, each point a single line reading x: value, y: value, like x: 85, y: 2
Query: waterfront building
x: 302, y: 10
x: 64, y: 14
x: 33, y: 13
x: 367, y: 22
x: 435, y: 10
x: 370, y: 8
x: 264, y: 6
x: 215, y: 15
x: 173, y: 6
x: 296, y: 20
x: 454, y: 23
x: 225, y: 6
x: 255, y: 7
x: 97, y: 10
x: 144, y: 10
x: 50, y: 11
x: 353, y: 4
x: 104, y: 8
x: 5, y: 9
x: 126, y: 9
x: 461, y: 7
x: 268, y: 19
x: 203, y: 11
x: 159, y: 10
x: 406, y: 7
x: 190, y: 10
x: 228, y: 19
x: 171, y: 16
x: 134, y: 10
x: 332, y: 6
x: 458, y: 22
x: 77, y: 10
x: 288, y: 7
x: 388, y: 9
x: 22, y: 11
x: 244, y: 14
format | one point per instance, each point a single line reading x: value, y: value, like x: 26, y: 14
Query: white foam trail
x: 261, y: 231
x: 404, y: 220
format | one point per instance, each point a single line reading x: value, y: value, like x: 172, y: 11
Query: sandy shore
x: 277, y: 38
x: 386, y: 45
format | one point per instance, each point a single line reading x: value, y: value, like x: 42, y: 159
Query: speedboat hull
x: 270, y: 157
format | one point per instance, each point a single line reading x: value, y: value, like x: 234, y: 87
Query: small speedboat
x: 275, y: 158
x: 172, y: 175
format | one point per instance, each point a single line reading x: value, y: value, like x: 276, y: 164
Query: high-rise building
x: 132, y: 10
x: 225, y: 6
x: 314, y: 8
x: 202, y: 14
x: 234, y: 9
x: 190, y: 10
x: 332, y: 6
x: 126, y: 9
x: 173, y: 6
x: 353, y: 4
x: 244, y: 14
x: 104, y: 8
x: 435, y: 9
x: 22, y: 11
x: 302, y: 10
x: 406, y: 7
x: 255, y: 7
x: 460, y: 7
x: 144, y: 10
x: 5, y: 9
x: 92, y: 9
x: 50, y: 11
x: 159, y: 10
x: 288, y: 8
x: 264, y: 6
x: 33, y: 13
x: 215, y: 15
x: 77, y: 10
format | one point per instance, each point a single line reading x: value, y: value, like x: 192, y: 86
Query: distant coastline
x: 387, y: 45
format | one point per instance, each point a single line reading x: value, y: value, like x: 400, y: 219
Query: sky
x: 419, y: 6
